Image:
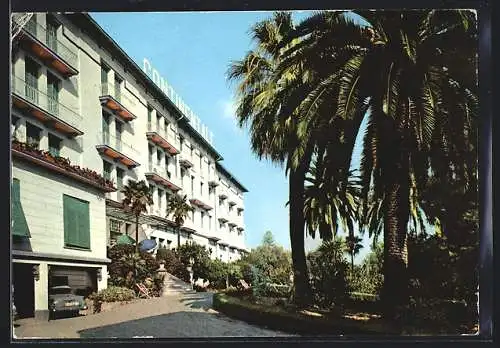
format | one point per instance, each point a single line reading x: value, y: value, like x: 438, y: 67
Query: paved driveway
x: 181, y: 315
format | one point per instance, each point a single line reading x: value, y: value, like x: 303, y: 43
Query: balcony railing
x: 160, y: 175
x: 40, y: 33
x: 50, y: 106
x: 117, y: 93
x: 117, y: 149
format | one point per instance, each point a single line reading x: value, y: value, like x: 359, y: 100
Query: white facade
x: 79, y: 76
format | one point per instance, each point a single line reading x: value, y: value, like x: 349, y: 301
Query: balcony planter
x: 57, y: 163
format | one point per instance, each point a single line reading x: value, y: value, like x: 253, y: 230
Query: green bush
x: 111, y: 294
x: 328, y: 274
x: 217, y: 274
x: 173, y: 263
x: 200, y: 256
x: 128, y: 268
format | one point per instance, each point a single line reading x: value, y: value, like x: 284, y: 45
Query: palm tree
x: 353, y: 247
x: 137, y: 199
x: 414, y: 71
x: 266, y: 100
x: 179, y: 208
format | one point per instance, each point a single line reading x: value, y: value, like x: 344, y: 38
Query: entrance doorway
x: 24, y: 289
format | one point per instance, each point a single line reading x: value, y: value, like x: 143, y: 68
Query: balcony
x: 232, y: 203
x: 231, y: 224
x: 213, y: 183
x: 240, y: 229
x: 117, y: 150
x: 223, y: 219
x: 222, y: 195
x: 185, y: 163
x: 61, y: 166
x: 113, y: 98
x: 46, y: 109
x: 159, y: 136
x: 240, y: 209
x: 161, y: 176
x: 199, y: 203
x: 35, y: 38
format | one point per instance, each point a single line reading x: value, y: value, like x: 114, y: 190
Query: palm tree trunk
x: 137, y: 233
x: 178, y: 237
x: 352, y: 263
x: 395, y: 289
x: 302, y: 288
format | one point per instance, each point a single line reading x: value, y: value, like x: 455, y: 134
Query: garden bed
x: 307, y: 322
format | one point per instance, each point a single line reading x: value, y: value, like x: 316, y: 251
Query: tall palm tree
x: 353, y: 247
x: 266, y: 100
x: 137, y: 199
x: 179, y: 208
x: 415, y: 71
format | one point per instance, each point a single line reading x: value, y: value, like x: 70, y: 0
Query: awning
x: 19, y: 224
x: 125, y: 239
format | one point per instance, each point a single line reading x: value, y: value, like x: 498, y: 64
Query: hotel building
x: 86, y: 119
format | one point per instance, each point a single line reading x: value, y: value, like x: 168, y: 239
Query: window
x: 181, y: 142
x: 230, y: 208
x: 150, y: 115
x: 192, y: 215
x: 106, y: 170
x: 20, y: 227
x: 160, y: 242
x: 76, y: 222
x: 118, y: 86
x: 127, y: 227
x: 158, y: 123
x: 33, y: 135
x: 192, y: 152
x: 104, y: 79
x: 201, y: 189
x: 105, y: 127
x: 31, y: 71
x: 54, y: 145
x: 209, y: 222
x: 118, y: 129
x: 151, y: 150
x: 152, y: 190
x: 115, y: 226
x: 160, y: 197
x: 165, y: 126
x: 120, y: 173
x: 221, y: 225
x: 158, y: 156
x: 202, y: 216
x: 201, y: 160
x: 192, y: 185
x: 239, y: 212
x: 53, y: 84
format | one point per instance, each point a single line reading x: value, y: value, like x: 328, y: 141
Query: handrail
x: 118, y: 94
x: 40, y: 33
x: 117, y: 144
x: 45, y: 102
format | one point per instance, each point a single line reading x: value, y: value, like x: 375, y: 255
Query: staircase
x: 173, y: 285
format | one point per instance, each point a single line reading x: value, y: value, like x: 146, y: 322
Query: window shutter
x: 76, y: 223
x: 84, y: 225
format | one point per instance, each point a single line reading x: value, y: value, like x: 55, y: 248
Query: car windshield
x: 60, y: 291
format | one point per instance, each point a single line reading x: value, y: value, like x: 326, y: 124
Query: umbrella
x: 147, y: 244
x: 125, y: 239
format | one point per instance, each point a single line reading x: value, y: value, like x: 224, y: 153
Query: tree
x: 266, y: 100
x: 268, y: 239
x: 137, y: 199
x: 406, y: 69
x: 353, y: 247
x: 179, y: 208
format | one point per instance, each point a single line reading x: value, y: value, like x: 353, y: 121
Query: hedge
x: 298, y: 323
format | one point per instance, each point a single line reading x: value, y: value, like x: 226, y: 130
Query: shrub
x: 200, y: 256
x: 217, y: 273
x: 328, y: 274
x: 111, y: 294
x: 173, y: 264
x: 128, y: 268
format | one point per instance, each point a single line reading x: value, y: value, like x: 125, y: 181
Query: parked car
x: 62, y: 300
x: 14, y: 309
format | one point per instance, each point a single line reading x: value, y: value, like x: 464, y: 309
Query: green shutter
x: 84, y: 225
x: 20, y: 225
x: 76, y: 223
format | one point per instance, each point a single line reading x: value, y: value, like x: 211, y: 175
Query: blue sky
x: 192, y: 50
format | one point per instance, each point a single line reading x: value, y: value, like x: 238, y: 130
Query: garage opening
x: 82, y: 281
x: 24, y: 289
